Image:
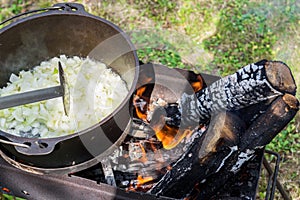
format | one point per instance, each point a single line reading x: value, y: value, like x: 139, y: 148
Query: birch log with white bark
x: 267, y: 88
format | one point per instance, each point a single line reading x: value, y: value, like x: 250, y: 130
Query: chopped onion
x: 86, y: 78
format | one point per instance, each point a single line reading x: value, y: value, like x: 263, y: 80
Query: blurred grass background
x: 211, y: 36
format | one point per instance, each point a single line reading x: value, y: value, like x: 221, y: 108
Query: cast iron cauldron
x: 67, y: 29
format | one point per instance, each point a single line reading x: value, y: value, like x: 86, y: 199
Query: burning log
x: 257, y: 135
x: 253, y: 84
x: 202, y: 158
x: 250, y: 85
x: 219, y: 152
x: 266, y: 126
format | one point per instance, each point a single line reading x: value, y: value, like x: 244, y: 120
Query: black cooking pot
x: 67, y: 29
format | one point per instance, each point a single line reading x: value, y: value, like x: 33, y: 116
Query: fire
x: 140, y: 103
x: 142, y: 184
x: 142, y: 180
x: 197, y: 85
x: 140, y: 91
x: 166, y: 135
x: 6, y: 189
x: 171, y: 136
x: 167, y: 130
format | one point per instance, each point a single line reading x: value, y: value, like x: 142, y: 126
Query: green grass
x: 153, y: 47
x: 14, y: 7
x: 9, y: 197
x: 242, y: 37
x: 287, y: 141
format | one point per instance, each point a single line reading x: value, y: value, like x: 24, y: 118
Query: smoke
x: 283, y: 19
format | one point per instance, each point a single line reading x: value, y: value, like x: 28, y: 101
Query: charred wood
x: 231, y: 186
x: 251, y: 113
x: 257, y: 135
x: 268, y: 125
x: 180, y: 177
x: 250, y: 85
x: 218, y: 154
x: 233, y: 136
x: 203, y: 158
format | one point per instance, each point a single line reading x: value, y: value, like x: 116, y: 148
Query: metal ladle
x: 38, y: 95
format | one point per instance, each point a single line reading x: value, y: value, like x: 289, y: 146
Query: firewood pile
x: 243, y: 112
x: 191, y: 146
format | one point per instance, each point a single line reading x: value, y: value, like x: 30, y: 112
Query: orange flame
x: 171, y: 136
x: 142, y: 180
x: 140, y: 91
x: 142, y: 184
x: 166, y: 135
x: 6, y: 189
x: 198, y: 85
x: 139, y: 107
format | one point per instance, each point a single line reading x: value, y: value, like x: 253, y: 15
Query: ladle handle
x: 14, y: 143
x: 30, y: 97
x: 68, y: 7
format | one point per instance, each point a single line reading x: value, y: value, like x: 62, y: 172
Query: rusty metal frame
x: 33, y: 186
